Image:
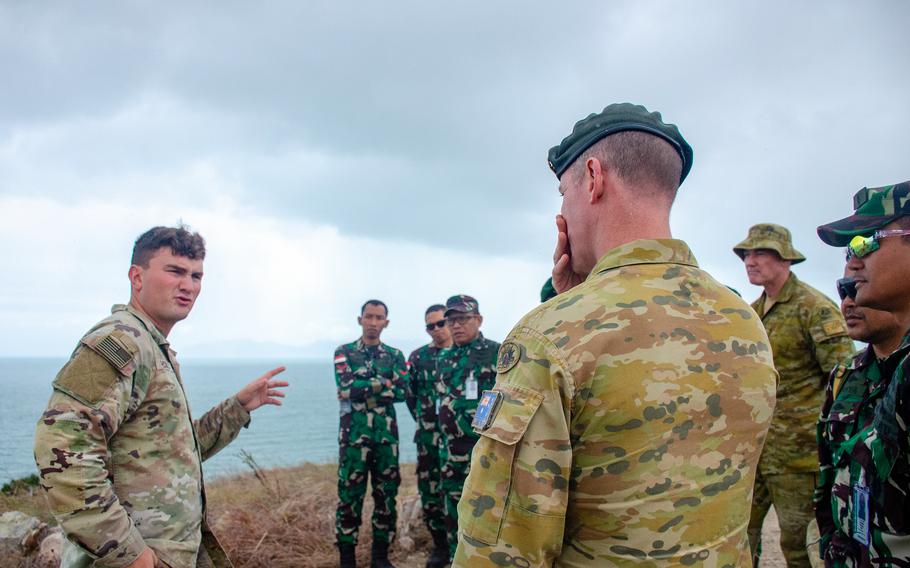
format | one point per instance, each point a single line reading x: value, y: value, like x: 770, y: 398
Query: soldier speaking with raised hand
x: 808, y: 339
x: 119, y: 455
x: 370, y: 377
x: 629, y: 411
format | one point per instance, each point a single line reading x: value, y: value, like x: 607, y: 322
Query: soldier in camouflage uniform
x: 370, y: 377
x: 863, y: 498
x: 808, y: 338
x: 423, y: 368
x: 118, y: 453
x: 465, y: 370
x: 629, y: 411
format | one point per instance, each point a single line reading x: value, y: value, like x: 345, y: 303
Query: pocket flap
x: 515, y: 411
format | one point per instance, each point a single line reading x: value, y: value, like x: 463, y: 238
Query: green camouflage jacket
x: 119, y: 455
x: 461, y: 364
x: 808, y: 339
x: 370, y: 379
x: 420, y: 392
x: 864, y: 455
x: 628, y: 424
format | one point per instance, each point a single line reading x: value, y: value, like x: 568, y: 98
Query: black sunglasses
x: 438, y: 325
x: 846, y: 287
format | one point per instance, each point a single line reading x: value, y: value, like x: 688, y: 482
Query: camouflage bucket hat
x: 462, y: 303
x: 773, y: 237
x: 874, y: 207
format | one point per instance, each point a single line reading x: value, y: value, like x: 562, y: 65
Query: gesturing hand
x: 263, y: 390
x: 564, y: 277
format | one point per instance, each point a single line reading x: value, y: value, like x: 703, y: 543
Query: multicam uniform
x: 120, y: 456
x: 632, y: 413
x: 465, y: 371
x: 863, y: 497
x: 808, y: 338
x: 368, y: 436
x: 421, y: 396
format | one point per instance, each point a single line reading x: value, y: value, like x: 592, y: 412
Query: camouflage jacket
x: 118, y: 453
x: 460, y: 365
x: 370, y: 379
x: 864, y: 446
x: 808, y: 338
x: 631, y: 414
x: 420, y: 392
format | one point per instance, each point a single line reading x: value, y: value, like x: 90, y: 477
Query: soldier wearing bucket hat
x: 863, y: 501
x: 808, y: 338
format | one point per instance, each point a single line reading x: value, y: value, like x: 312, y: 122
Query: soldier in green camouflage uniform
x: 370, y: 377
x: 117, y: 450
x: 423, y: 368
x: 629, y: 411
x: 465, y: 370
x: 808, y: 338
x: 863, y: 497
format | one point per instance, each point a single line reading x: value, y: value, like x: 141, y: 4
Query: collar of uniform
x: 786, y: 293
x: 361, y: 345
x: 149, y: 325
x: 646, y: 251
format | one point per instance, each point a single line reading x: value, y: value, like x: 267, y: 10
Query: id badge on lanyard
x: 470, y: 387
x: 861, y: 511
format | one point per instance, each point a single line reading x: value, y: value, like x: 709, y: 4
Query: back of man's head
x: 646, y: 163
x: 181, y: 240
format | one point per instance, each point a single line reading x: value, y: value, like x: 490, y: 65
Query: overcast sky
x: 330, y: 152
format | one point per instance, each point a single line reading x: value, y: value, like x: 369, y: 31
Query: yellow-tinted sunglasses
x: 861, y: 246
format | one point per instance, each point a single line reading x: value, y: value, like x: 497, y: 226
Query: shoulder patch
x: 87, y: 377
x: 833, y: 327
x: 509, y: 355
x: 114, y: 349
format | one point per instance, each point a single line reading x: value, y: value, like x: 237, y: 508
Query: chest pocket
x: 487, y: 489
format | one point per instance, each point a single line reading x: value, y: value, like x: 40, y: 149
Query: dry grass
x: 286, y: 518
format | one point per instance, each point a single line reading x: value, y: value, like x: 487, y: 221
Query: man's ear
x: 359, y: 320
x: 386, y: 323
x: 595, y: 179
x: 479, y: 320
x: 135, y: 276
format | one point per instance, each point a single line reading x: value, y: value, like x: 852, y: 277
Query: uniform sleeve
x: 822, y: 496
x: 350, y: 386
x: 829, y: 336
x: 399, y: 378
x: 410, y: 385
x: 516, y: 494
x: 219, y: 426
x: 90, y: 401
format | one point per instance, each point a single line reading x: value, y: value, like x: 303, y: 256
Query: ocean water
x: 304, y: 428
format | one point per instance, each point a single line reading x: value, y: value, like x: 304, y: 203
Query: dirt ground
x: 772, y: 557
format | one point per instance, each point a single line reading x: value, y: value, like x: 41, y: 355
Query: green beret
x: 615, y: 118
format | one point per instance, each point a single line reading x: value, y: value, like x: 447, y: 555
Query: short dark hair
x: 640, y: 158
x: 181, y: 240
x: 374, y: 303
x: 434, y: 308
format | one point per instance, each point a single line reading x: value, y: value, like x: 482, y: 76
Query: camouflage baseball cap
x: 874, y: 208
x: 770, y: 236
x: 462, y: 303
x: 615, y: 118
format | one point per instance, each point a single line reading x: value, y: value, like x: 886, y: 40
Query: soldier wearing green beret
x: 629, y: 411
x: 863, y: 496
x: 119, y: 454
x: 808, y: 339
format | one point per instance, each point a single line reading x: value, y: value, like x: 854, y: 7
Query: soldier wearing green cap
x: 863, y: 497
x: 808, y: 339
x: 465, y: 371
x: 629, y: 411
